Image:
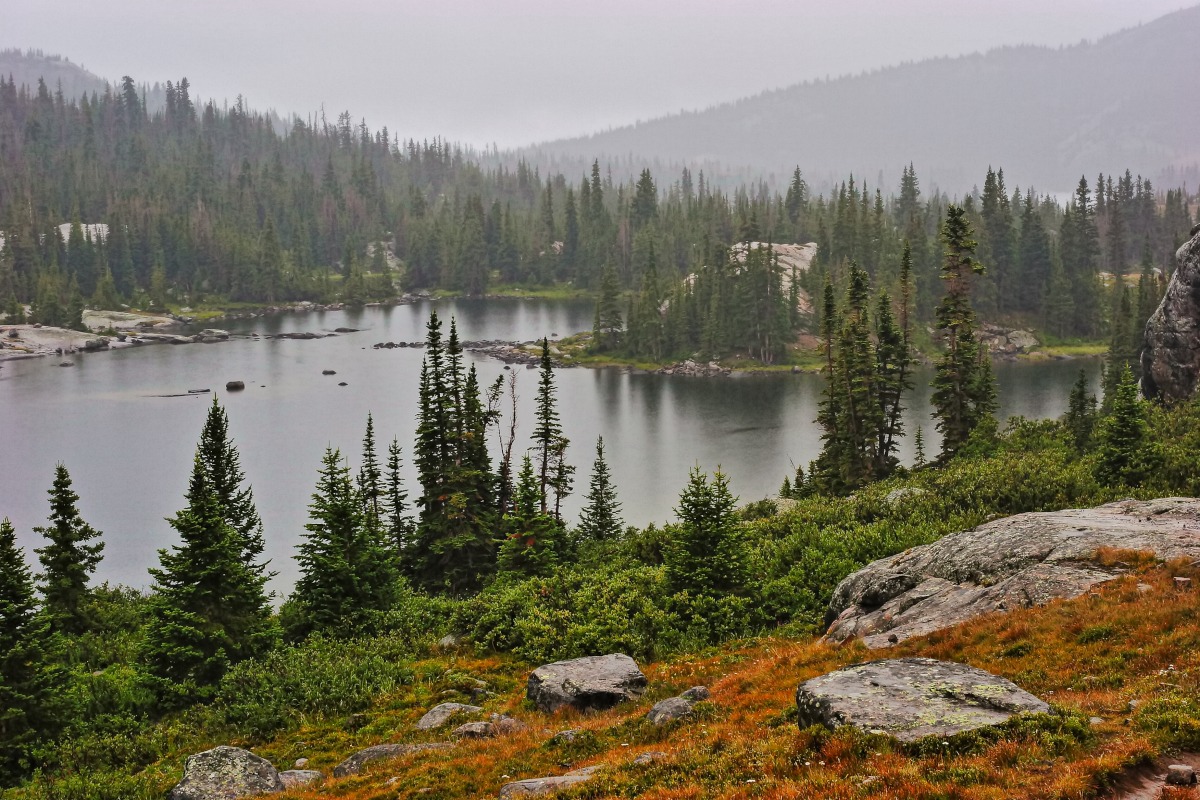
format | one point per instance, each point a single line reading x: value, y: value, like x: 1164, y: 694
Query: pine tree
x: 208, y: 609
x: 395, y: 504
x: 963, y: 386
x: 1125, y: 457
x: 370, y: 477
x: 223, y: 474
x: 68, y: 560
x: 1080, y: 419
x: 600, y: 519
x: 608, y: 326
x: 532, y: 537
x: 548, y: 441
x: 347, y: 571
x: 29, y: 682
x: 706, y: 553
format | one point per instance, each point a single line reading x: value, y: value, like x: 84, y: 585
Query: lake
x: 129, y: 449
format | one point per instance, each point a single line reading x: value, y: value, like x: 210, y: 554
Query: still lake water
x: 129, y: 451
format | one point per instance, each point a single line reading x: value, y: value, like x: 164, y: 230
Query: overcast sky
x: 512, y: 72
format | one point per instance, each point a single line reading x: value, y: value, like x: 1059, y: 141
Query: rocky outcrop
x: 1171, y: 352
x: 539, y: 787
x: 1024, y: 560
x: 440, y: 714
x: 593, y: 682
x: 696, y: 369
x: 226, y: 773
x: 911, y: 698
x: 1008, y: 342
x: 380, y: 752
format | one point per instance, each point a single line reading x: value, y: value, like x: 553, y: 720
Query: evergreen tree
x: 370, y: 476
x: 706, y: 553
x: 29, y: 682
x: 395, y: 504
x: 346, y: 571
x: 224, y: 477
x: 608, y: 326
x: 68, y: 560
x: 1080, y: 419
x: 963, y: 386
x: 1125, y: 457
x: 600, y: 519
x: 209, y: 609
x: 532, y: 537
x: 548, y: 441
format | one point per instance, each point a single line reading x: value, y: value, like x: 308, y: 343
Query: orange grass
x: 1109, y: 654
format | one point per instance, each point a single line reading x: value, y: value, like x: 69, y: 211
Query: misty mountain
x: 1045, y: 115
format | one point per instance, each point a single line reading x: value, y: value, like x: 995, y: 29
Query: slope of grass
x: 1118, y: 665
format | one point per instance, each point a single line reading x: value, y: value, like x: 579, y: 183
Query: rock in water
x: 226, y: 773
x: 439, y: 715
x: 592, y: 682
x: 235, y: 386
x: 911, y: 698
x: 1018, y: 561
x: 1171, y: 353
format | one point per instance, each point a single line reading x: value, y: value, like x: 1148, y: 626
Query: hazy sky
x: 517, y: 71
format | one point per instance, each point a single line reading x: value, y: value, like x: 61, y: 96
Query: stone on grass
x: 592, y: 682
x: 474, y: 730
x: 669, y: 710
x: 380, y: 752
x: 911, y: 698
x: 226, y: 773
x: 297, y: 778
x: 538, y: 787
x: 696, y: 694
x: 440, y: 714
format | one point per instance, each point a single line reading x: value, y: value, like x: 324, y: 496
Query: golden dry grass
x: 1121, y: 654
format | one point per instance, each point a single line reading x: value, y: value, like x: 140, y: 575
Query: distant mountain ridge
x: 1045, y: 115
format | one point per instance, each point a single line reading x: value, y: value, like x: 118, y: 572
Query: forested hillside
x: 206, y: 207
x: 1046, y: 114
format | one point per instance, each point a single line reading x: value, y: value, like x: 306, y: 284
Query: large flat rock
x: 592, y: 682
x: 911, y: 698
x: 1019, y: 561
x: 381, y: 752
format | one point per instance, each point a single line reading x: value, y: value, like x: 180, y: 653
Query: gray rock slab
x: 380, y: 752
x: 474, y: 730
x: 298, y: 778
x: 911, y: 698
x: 592, y: 682
x: 1019, y: 561
x: 226, y: 773
x: 696, y: 694
x: 440, y: 714
x: 539, y: 787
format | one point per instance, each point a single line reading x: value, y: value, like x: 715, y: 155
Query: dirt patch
x: 1148, y: 781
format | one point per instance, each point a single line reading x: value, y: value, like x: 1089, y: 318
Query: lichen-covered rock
x: 440, y: 714
x: 696, y: 694
x: 1171, y: 352
x: 226, y: 773
x: 474, y: 730
x: 911, y: 698
x: 593, y: 682
x: 357, y: 762
x: 298, y: 778
x: 1019, y: 561
x: 669, y: 710
x: 537, y: 787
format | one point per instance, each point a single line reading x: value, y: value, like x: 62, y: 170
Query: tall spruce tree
x: 1080, y: 419
x: 224, y: 477
x: 549, y: 444
x: 208, y: 609
x: 963, y: 387
x: 1125, y: 457
x: 395, y: 504
x: 600, y: 519
x: 29, y: 681
x: 70, y: 557
x: 532, y: 538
